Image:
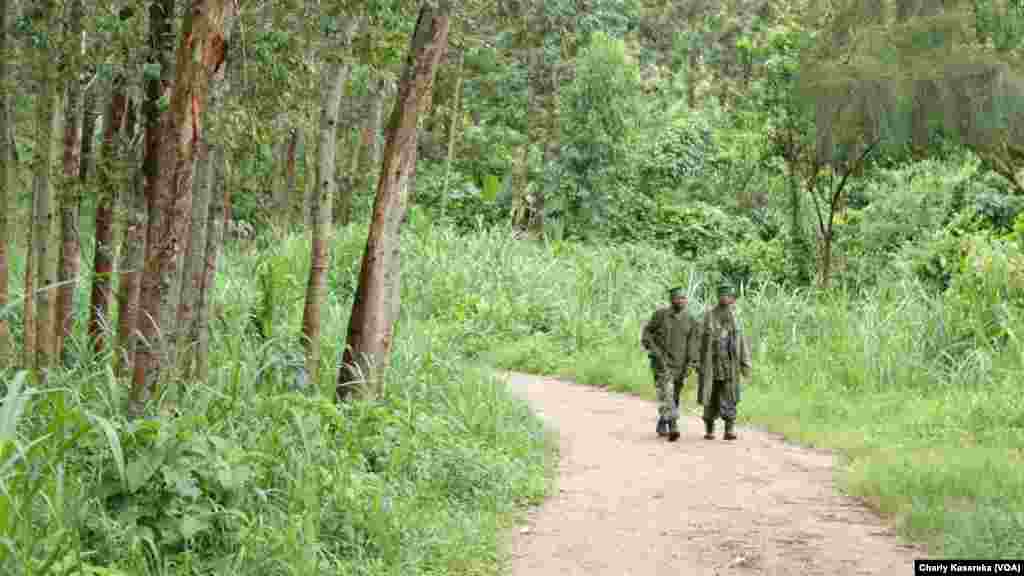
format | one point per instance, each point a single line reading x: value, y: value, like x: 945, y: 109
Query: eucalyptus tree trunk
x: 332, y: 86
x: 70, y: 196
x: 291, y: 187
x: 195, y: 259
x: 89, y: 117
x: 133, y: 248
x: 280, y: 179
x: 103, y: 259
x: 371, y: 324
x: 194, y: 267
x: 200, y: 54
x: 161, y: 55
x: 46, y: 119
x: 7, y: 168
x: 217, y: 215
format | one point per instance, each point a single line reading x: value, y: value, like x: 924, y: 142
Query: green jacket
x: 720, y: 326
x: 671, y: 339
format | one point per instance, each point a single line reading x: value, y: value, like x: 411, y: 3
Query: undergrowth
x: 259, y: 471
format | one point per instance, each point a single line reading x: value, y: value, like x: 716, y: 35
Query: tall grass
x: 919, y: 392
x: 258, y: 471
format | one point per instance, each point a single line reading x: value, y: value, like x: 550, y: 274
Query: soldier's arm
x: 693, y: 344
x: 745, y: 362
x: 651, y: 338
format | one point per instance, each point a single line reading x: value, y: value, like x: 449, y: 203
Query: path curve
x: 631, y: 504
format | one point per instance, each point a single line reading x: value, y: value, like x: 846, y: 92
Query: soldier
x: 671, y: 338
x: 724, y: 358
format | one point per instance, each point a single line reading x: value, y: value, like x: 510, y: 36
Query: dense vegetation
x: 576, y: 160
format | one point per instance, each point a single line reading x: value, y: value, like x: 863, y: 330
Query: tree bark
x: 281, y: 183
x: 370, y: 327
x: 46, y: 120
x: 294, y: 140
x: 30, y: 321
x: 332, y: 87
x: 200, y: 55
x: 7, y: 167
x: 216, y: 219
x: 89, y: 117
x: 133, y: 250
x: 70, y: 197
x: 195, y: 259
x: 103, y: 258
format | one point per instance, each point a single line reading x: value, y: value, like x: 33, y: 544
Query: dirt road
x: 631, y: 504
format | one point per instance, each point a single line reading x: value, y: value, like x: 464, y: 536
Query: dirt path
x: 631, y: 504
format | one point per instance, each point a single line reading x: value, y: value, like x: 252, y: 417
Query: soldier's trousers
x: 669, y: 383
x: 717, y: 406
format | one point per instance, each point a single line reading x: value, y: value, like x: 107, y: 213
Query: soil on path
x: 631, y: 504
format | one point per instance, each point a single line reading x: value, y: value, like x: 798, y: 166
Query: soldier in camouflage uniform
x: 724, y: 359
x: 671, y: 338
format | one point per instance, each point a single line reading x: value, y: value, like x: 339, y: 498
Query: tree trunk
x: 103, y: 258
x: 281, y: 183
x: 294, y: 140
x: 826, y: 259
x: 195, y: 259
x: 30, y: 321
x: 46, y: 120
x: 216, y: 219
x: 70, y: 197
x: 370, y: 327
x: 332, y: 87
x: 7, y: 168
x: 133, y: 251
x: 89, y: 117
x: 200, y: 55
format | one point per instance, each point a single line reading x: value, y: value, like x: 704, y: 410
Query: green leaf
x: 192, y: 525
x: 182, y: 482
x: 234, y: 477
x: 115, y: 447
x: 151, y: 71
x: 141, y: 470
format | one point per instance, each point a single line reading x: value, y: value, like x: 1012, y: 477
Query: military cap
x: 677, y: 292
x: 725, y: 288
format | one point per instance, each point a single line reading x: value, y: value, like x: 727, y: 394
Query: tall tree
x: 70, y: 190
x: 7, y: 168
x: 368, y: 343
x: 200, y: 54
x: 217, y: 216
x: 194, y: 268
x: 135, y: 208
x: 158, y: 79
x: 103, y: 258
x: 46, y: 123
x: 333, y: 81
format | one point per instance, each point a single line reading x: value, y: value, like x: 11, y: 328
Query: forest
x: 262, y: 260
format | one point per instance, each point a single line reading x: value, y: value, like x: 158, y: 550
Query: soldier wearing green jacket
x: 724, y: 360
x: 671, y: 338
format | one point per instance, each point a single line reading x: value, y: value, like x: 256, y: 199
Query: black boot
x: 673, y: 431
x: 729, y: 434
x: 709, y: 429
x: 662, y: 427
